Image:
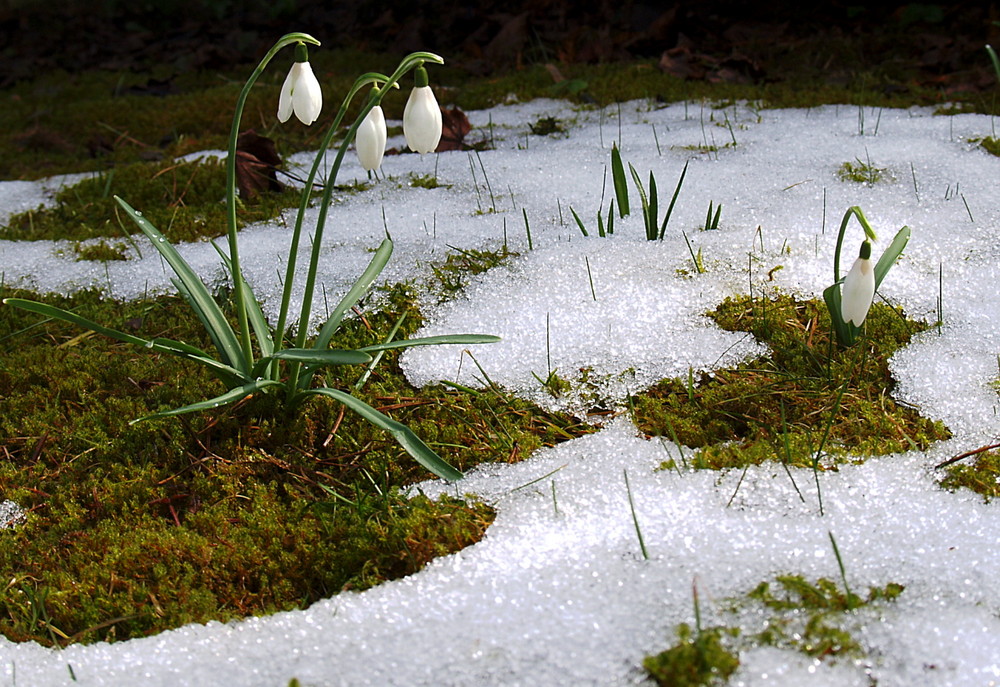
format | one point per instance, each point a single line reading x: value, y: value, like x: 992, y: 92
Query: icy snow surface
x: 558, y: 592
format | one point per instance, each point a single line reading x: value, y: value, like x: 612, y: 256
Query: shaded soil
x: 896, y: 46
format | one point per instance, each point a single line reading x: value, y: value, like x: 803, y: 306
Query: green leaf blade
x: 222, y: 333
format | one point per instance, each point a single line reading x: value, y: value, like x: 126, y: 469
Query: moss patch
x: 779, y: 406
x: 133, y: 529
x: 863, y: 173
x: 981, y: 476
x: 184, y: 200
x: 812, y: 618
x: 698, y: 659
x: 807, y: 615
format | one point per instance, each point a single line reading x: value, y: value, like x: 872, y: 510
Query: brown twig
x: 973, y: 452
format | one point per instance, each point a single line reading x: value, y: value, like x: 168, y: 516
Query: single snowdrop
x: 422, y: 115
x: 301, y: 92
x: 371, y: 137
x: 859, y: 288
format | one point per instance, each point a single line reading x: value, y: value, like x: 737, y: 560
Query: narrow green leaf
x: 265, y: 340
x: 651, y: 229
x: 420, y: 451
x: 621, y: 185
x: 673, y: 200
x: 231, y: 396
x: 360, y: 288
x: 891, y: 254
x: 198, y: 294
x: 638, y: 185
x: 432, y: 341
x: 226, y: 373
x: 327, y: 356
x: 846, y: 332
x: 993, y: 58
x: 579, y: 222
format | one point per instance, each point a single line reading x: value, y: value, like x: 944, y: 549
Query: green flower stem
x: 408, y: 63
x: 234, y: 255
x: 869, y: 232
x: 293, y: 250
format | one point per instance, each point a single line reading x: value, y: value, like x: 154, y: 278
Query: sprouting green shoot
x: 635, y: 518
x: 852, y: 600
x: 527, y: 228
x: 673, y: 200
x: 620, y: 183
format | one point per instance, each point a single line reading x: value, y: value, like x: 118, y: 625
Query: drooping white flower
x: 422, y: 116
x: 301, y: 92
x: 370, y: 140
x: 859, y: 288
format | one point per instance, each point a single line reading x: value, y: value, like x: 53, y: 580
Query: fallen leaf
x: 256, y: 162
x: 454, y: 126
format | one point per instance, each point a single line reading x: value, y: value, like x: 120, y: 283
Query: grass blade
x: 579, y: 222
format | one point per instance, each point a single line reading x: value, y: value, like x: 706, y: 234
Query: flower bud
x: 422, y: 116
x: 301, y: 92
x: 859, y: 288
x: 371, y: 137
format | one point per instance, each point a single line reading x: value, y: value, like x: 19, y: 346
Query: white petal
x: 285, y: 98
x: 370, y: 141
x: 859, y: 290
x: 422, y: 120
x: 307, y: 96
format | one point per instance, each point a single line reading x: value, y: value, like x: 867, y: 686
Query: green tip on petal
x: 301, y: 52
x: 866, y: 250
x: 420, y: 76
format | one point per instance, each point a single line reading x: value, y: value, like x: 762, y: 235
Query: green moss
x: 426, y: 181
x: 778, y: 406
x: 990, y: 144
x: 185, y: 200
x: 803, y: 616
x: 981, y: 476
x: 452, y: 275
x: 133, y: 529
x: 699, y: 659
x: 102, y: 251
x: 547, y: 126
x: 807, y: 615
x: 863, y: 173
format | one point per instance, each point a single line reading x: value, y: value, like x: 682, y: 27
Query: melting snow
x: 558, y: 591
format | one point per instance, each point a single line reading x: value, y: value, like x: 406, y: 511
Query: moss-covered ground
x: 135, y: 528
x: 807, y: 396
x: 811, y: 618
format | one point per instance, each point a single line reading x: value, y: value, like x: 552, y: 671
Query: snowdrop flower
x: 300, y: 93
x: 422, y: 116
x: 859, y: 288
x: 370, y: 139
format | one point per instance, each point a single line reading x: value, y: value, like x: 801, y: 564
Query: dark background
x: 929, y: 44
